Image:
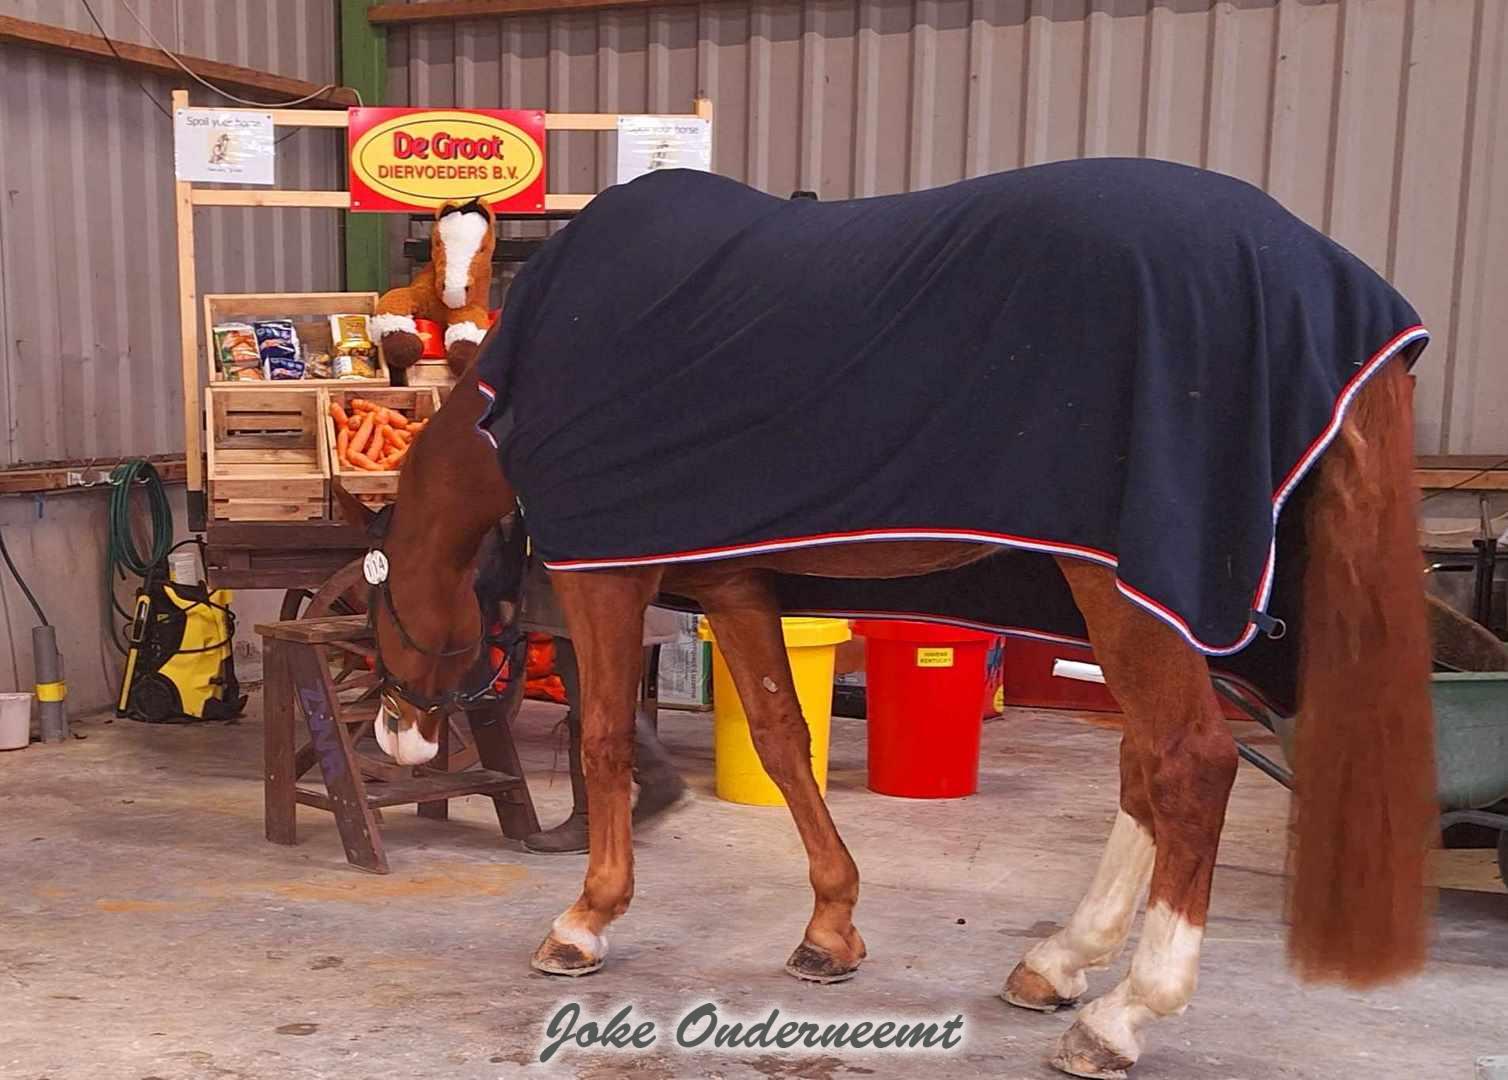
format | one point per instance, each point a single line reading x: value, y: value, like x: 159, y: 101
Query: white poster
x: 210, y: 146
x: 647, y: 143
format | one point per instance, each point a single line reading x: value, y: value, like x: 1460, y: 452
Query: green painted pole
x: 363, y: 67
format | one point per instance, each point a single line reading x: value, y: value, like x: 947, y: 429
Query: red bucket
x: 924, y: 684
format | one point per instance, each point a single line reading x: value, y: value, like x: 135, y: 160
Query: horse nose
x: 401, y: 739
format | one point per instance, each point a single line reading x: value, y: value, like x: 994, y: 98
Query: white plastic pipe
x: 1075, y: 669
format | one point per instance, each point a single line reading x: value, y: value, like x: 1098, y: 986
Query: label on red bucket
x: 934, y: 657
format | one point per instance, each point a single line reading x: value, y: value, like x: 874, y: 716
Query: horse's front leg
x: 604, y: 611
x: 746, y: 620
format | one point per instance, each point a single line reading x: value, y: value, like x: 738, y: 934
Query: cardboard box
x: 686, y: 668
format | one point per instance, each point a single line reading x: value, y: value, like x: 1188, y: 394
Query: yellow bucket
x: 810, y: 645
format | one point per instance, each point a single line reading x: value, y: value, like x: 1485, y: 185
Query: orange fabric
x: 541, y: 681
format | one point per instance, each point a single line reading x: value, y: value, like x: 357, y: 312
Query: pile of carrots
x: 372, y: 436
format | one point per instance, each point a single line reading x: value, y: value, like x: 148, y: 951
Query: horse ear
x: 353, y: 509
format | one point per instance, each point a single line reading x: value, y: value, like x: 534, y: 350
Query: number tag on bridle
x: 374, y: 567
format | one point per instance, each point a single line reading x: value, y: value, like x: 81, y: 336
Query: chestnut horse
x: 1364, y: 757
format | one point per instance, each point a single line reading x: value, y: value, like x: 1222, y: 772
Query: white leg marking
x: 463, y: 331
x: 1102, y: 921
x: 593, y: 945
x: 406, y: 746
x: 392, y: 324
x: 462, y: 235
x: 1164, y: 972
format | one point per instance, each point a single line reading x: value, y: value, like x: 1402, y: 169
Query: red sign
x: 414, y: 160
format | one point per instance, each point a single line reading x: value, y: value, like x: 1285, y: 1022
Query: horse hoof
x: 811, y: 964
x: 1028, y: 990
x: 555, y: 957
x: 1083, y: 1053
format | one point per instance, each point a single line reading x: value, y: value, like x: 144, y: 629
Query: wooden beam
x: 562, y: 201
x: 422, y: 11
x: 1462, y: 461
x: 73, y: 475
x: 1464, y: 480
x: 307, y: 117
x: 144, y: 58
x: 188, y: 323
x: 338, y: 200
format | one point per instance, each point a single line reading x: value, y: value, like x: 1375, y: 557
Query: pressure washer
x: 180, y: 633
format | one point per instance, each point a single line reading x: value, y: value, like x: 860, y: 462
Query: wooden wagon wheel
x: 345, y: 593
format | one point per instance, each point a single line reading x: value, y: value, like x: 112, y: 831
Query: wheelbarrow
x: 1471, y: 747
x: 1471, y: 743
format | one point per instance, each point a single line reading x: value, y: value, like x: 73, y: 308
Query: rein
x: 510, y: 643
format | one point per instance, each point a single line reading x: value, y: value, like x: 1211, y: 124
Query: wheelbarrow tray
x: 1471, y: 735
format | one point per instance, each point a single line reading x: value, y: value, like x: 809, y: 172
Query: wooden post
x: 345, y: 789
x: 363, y: 67
x: 278, y: 769
x: 704, y: 110
x: 188, y: 332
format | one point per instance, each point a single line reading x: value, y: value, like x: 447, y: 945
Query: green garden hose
x: 121, y: 553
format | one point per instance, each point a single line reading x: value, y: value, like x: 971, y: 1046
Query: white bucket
x: 15, y: 721
x: 183, y: 567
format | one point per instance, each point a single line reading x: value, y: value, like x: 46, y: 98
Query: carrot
x: 392, y: 460
x: 361, y: 461
x: 338, y: 414
x: 364, y: 433
x: 343, y: 444
x: 396, y: 419
x: 383, y: 435
x: 399, y: 437
x: 360, y: 404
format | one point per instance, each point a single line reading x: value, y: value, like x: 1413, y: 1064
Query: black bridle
x: 510, y: 642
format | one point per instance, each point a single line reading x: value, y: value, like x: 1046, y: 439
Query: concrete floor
x: 147, y: 932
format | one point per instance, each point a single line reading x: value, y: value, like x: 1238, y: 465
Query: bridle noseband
x: 510, y: 644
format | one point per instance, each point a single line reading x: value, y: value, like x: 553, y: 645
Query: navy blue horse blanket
x: 1127, y: 361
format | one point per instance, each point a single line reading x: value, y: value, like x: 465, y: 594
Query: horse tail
x: 1364, y: 757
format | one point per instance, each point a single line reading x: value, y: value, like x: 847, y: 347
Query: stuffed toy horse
x: 451, y: 290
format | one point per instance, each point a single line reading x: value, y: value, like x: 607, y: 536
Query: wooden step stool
x: 296, y: 661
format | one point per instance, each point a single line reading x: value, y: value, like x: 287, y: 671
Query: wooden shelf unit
x: 187, y: 196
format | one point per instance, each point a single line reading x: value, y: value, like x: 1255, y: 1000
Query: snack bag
x: 236, y: 353
x: 355, y: 355
x: 278, y: 343
x: 317, y: 364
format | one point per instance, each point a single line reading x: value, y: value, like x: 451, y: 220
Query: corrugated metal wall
x: 88, y: 271
x: 1383, y: 122
x: 89, y: 361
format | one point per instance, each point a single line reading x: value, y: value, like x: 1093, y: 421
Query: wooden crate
x: 374, y: 488
x: 310, y: 313
x: 435, y: 373
x: 268, y: 459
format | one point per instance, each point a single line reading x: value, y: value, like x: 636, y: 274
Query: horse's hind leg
x: 1052, y: 974
x: 745, y: 618
x: 1188, y: 760
x: 604, y: 612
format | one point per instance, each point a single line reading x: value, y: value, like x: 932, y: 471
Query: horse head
x: 441, y: 572
x: 461, y: 250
